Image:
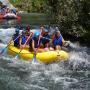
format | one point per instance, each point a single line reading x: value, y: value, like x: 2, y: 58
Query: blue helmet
x: 46, y: 30
x: 36, y: 34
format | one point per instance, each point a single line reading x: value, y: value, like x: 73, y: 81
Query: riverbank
x: 30, y: 5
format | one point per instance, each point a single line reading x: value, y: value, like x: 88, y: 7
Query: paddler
x: 58, y: 40
x: 16, y: 38
x: 34, y: 44
x: 25, y: 37
x: 27, y: 31
x: 45, y: 39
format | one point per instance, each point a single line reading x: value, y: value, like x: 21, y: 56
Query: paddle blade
x: 3, y: 51
x: 34, y: 59
x: 16, y: 57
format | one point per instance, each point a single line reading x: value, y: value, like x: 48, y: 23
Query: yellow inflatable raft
x: 44, y: 57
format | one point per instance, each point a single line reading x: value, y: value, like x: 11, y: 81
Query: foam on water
x: 6, y: 34
x: 19, y: 74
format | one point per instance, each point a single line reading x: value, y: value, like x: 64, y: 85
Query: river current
x: 16, y: 74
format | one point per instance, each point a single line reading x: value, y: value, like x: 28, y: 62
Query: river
x: 16, y: 74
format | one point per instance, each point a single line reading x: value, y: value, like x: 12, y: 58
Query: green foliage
x: 30, y: 5
x: 24, y: 5
x: 72, y: 15
x: 37, y: 5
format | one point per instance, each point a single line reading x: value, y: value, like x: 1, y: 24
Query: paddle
x: 24, y: 45
x: 9, y: 44
x: 34, y: 58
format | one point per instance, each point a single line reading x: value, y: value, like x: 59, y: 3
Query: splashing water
x: 74, y: 74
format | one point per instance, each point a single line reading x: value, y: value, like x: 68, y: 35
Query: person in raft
x: 24, y: 39
x: 45, y: 39
x: 34, y: 44
x: 28, y: 33
x: 16, y: 38
x: 58, y: 40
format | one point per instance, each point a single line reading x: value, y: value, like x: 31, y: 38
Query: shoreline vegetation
x: 30, y: 5
x: 73, y: 16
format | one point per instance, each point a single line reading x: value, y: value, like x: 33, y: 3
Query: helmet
x: 17, y: 30
x: 45, y: 30
x: 57, y: 33
x: 57, y: 28
x: 17, y: 26
x: 36, y: 34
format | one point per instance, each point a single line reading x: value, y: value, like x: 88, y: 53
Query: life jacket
x: 58, y: 41
x: 45, y: 39
x: 27, y: 33
x: 15, y: 39
x: 37, y: 42
x: 23, y: 39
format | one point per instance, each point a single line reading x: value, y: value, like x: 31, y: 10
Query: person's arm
x: 65, y: 43
x: 31, y: 34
